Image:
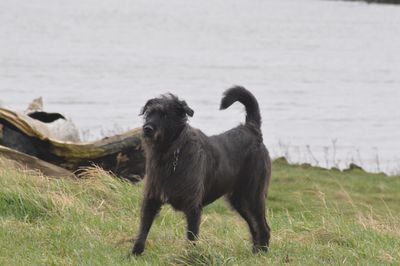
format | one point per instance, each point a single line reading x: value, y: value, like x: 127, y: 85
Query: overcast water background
x: 326, y: 73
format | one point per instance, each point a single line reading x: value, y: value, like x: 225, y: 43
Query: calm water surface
x: 326, y: 73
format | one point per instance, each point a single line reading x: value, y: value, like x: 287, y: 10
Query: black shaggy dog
x: 189, y: 170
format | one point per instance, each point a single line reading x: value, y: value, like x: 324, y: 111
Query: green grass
x: 317, y: 217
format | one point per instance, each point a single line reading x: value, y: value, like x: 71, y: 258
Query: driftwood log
x: 120, y: 154
x: 26, y: 161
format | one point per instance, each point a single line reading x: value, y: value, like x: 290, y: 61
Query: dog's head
x: 165, y: 117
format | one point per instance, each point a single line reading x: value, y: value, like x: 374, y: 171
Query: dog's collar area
x: 176, y: 158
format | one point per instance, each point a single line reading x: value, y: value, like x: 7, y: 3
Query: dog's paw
x: 138, y: 249
x: 258, y: 248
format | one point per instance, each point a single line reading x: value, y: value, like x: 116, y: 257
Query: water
x: 326, y: 73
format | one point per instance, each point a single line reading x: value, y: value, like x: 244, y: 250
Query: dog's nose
x: 148, y: 130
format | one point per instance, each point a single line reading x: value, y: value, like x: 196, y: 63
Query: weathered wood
x: 121, y: 154
x: 33, y: 163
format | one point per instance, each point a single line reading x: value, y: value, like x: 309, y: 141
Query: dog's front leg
x: 193, y: 217
x: 150, y: 208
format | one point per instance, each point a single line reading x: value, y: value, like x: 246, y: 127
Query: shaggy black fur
x: 189, y: 170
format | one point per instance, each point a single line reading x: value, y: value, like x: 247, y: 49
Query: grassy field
x: 317, y: 217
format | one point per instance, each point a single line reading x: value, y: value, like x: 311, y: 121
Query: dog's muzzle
x: 148, y: 130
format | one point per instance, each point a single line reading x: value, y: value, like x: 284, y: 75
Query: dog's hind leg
x: 264, y: 231
x: 248, y: 199
x: 239, y: 205
x: 254, y: 215
x: 150, y: 208
x: 255, y: 193
x: 193, y: 218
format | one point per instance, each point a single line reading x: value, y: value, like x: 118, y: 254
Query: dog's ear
x: 144, y: 108
x: 189, y: 111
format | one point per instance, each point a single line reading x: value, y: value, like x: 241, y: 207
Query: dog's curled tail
x: 240, y: 94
